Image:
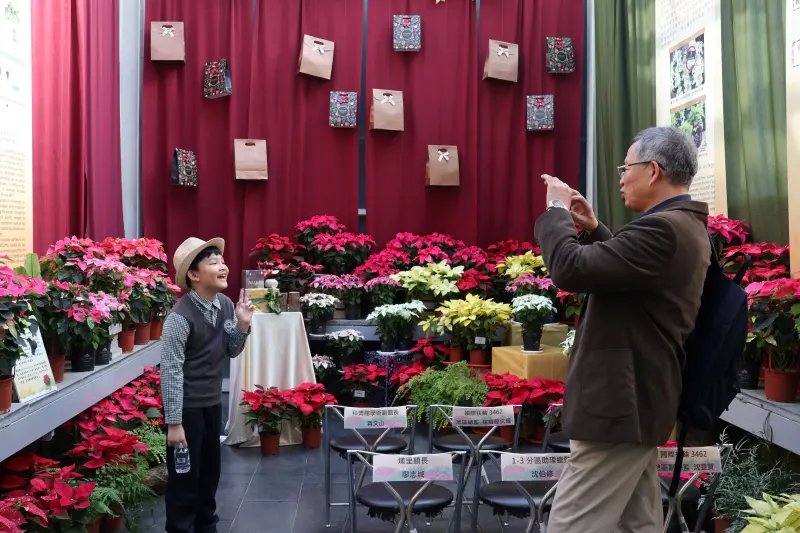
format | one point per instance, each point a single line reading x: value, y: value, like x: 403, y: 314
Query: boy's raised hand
x: 244, y: 311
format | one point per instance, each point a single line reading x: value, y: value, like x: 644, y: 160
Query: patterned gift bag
x: 407, y: 33
x: 217, y: 79
x: 560, y: 55
x: 344, y: 110
x: 540, y: 112
x: 184, y: 168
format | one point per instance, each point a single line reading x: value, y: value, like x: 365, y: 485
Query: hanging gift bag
x: 540, y: 112
x: 407, y: 33
x: 344, y: 110
x: 502, y: 61
x: 560, y: 55
x: 217, y: 79
x: 167, y: 41
x: 250, y: 159
x: 442, y: 168
x: 316, y: 57
x: 184, y: 168
x: 386, y: 111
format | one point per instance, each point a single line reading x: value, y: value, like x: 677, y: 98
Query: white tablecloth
x: 276, y: 355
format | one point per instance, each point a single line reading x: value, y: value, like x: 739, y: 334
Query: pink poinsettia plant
x: 530, y: 284
x: 138, y: 253
x: 306, y: 230
x: 470, y: 257
x: 383, y: 290
x: 348, y: 288
x: 727, y: 231
x: 340, y: 253
x: 277, y: 247
x: 20, y: 295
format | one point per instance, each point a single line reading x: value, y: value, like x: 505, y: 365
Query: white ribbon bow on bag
x: 444, y: 155
x: 502, y: 50
x: 388, y: 99
x: 167, y: 30
x: 319, y: 48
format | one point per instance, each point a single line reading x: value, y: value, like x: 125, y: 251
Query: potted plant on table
x: 775, y: 305
x: 348, y: 343
x: 360, y: 380
x: 444, y: 323
x: 266, y: 410
x: 139, y: 305
x: 55, y: 325
x: 318, y: 307
x: 532, y: 311
x: 307, y: 403
x: 480, y: 319
x: 108, y: 309
x: 396, y: 324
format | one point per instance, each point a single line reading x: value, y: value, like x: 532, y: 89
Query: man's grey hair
x: 673, y: 150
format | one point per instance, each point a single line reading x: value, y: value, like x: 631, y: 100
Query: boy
x: 201, y: 332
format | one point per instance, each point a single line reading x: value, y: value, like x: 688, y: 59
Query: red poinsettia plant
x: 110, y: 446
x: 138, y: 253
x: 277, y: 247
x: 727, y: 231
x: 292, y: 276
x: 21, y: 513
x: 775, y: 312
x: 340, y: 253
x: 362, y: 377
x: 498, y: 251
x: 432, y: 353
x: 307, y: 404
x: 63, y: 494
x: 470, y: 257
x: 406, y: 373
x: 475, y: 282
x: 383, y: 264
x: 571, y: 304
x: 306, y: 230
x: 266, y: 408
x: 535, y: 395
x: 431, y: 254
x: 20, y: 468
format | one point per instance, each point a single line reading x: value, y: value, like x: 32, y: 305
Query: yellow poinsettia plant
x: 779, y: 514
x: 434, y: 279
x: 518, y: 265
x: 474, y: 319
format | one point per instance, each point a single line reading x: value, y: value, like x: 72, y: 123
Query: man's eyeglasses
x: 622, y: 168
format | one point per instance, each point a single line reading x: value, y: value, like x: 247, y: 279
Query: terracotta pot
x: 57, y: 366
x: 312, y: 437
x: 479, y: 357
x: 125, y: 340
x: 155, y: 330
x: 456, y: 355
x: 270, y: 444
x: 6, y: 385
x: 507, y: 433
x: 142, y: 335
x: 721, y: 523
x: 94, y: 527
x: 110, y: 524
x: 780, y: 386
x: 360, y: 404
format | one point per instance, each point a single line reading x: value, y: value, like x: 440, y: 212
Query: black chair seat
x: 376, y: 496
x: 558, y: 442
x: 456, y: 443
x: 388, y: 444
x: 506, y: 494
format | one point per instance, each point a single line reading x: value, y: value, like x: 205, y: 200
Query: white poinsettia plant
x: 317, y: 305
x: 532, y: 311
x: 566, y: 345
x: 397, y: 321
x: 323, y: 366
x: 347, y: 342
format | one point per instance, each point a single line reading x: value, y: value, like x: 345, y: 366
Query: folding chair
x: 472, y: 444
x: 366, y: 442
x: 404, y: 486
x: 554, y: 442
x: 525, y: 481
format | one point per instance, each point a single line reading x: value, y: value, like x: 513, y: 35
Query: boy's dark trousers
x: 190, y: 497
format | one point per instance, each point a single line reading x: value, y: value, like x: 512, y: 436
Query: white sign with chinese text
x: 705, y: 460
x: 33, y: 377
x: 431, y: 467
x: 484, y: 416
x: 385, y: 417
x: 532, y: 466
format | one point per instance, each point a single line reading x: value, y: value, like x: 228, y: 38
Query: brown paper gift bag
x: 250, y: 159
x: 442, y: 167
x: 167, y: 42
x: 502, y: 61
x: 386, y: 112
x: 316, y: 57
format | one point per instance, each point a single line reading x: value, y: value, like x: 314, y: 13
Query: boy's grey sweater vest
x: 206, y: 352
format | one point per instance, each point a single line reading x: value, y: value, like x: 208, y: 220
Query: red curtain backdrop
x: 176, y: 115
x: 75, y: 97
x: 511, y: 159
x: 313, y: 168
x: 440, y: 105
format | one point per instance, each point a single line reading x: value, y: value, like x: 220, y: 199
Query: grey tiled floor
x: 285, y: 494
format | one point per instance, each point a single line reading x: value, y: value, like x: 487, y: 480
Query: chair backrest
x: 427, y: 468
x: 358, y: 419
x: 487, y: 417
x: 552, y: 414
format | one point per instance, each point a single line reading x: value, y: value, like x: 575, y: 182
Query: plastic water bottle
x: 182, y: 462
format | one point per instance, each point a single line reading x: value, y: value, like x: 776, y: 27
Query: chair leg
x: 327, y: 487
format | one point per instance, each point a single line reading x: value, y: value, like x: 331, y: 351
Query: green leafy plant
x: 348, y: 343
x: 455, y: 385
x: 151, y: 436
x: 128, y: 481
x: 272, y: 299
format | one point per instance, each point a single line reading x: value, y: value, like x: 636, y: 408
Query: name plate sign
x: 484, y: 416
x: 532, y: 466
x: 705, y: 460
x: 385, y: 417
x: 431, y: 467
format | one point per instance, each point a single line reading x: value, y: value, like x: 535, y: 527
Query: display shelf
x: 776, y: 422
x: 29, y: 422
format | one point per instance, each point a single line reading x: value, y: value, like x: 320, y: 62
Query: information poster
x: 689, y: 88
x: 16, y: 182
x: 793, y: 127
x: 33, y: 377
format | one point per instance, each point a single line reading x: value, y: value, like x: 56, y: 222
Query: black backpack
x: 714, y: 353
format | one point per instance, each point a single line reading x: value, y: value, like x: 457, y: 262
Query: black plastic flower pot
x: 532, y: 342
x: 352, y: 311
x: 405, y: 345
x: 388, y: 346
x: 748, y: 374
x: 82, y: 359
x: 318, y: 327
x: 103, y: 355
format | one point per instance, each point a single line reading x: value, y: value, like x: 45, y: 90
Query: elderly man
x: 643, y: 287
